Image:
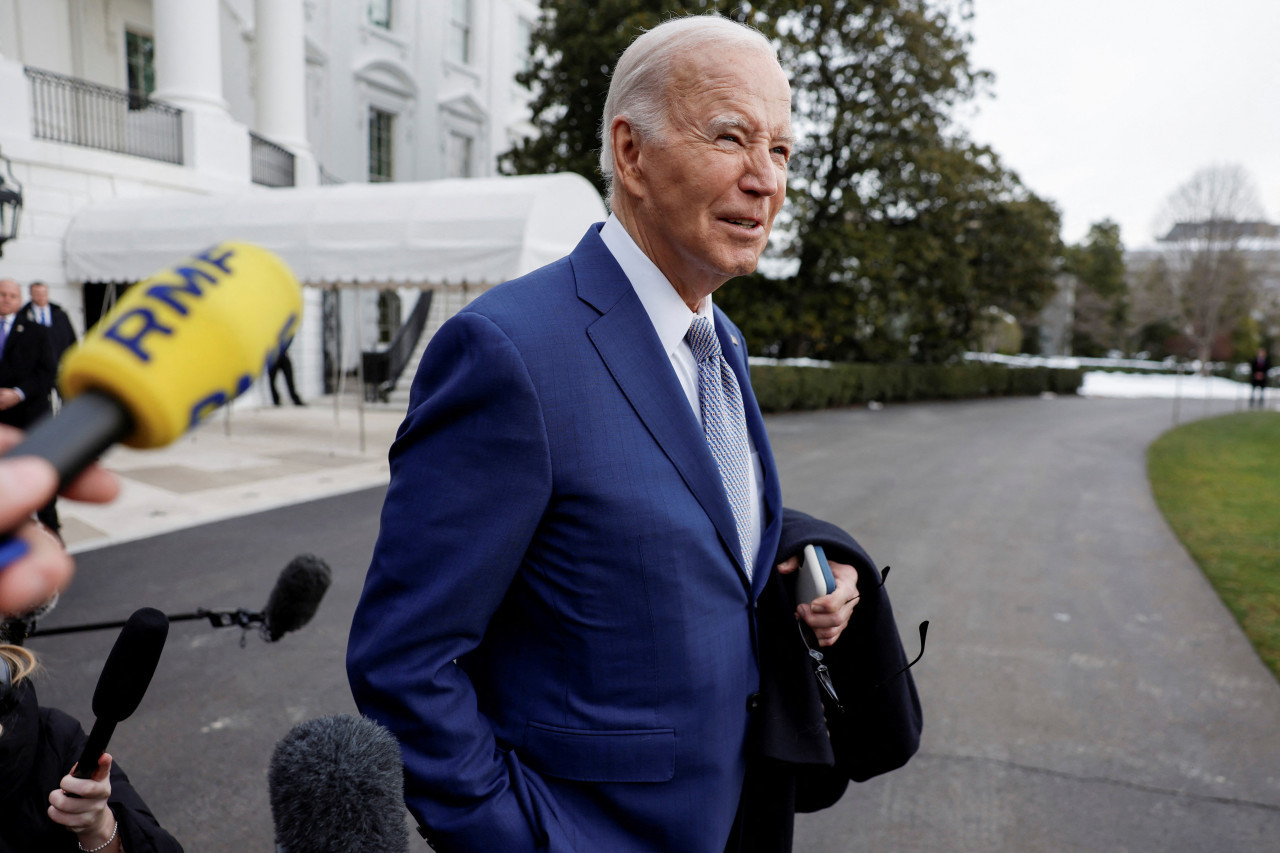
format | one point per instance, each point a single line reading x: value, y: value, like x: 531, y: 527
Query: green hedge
x: 783, y: 388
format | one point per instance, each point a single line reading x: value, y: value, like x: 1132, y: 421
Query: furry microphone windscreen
x: 337, y: 786
x: 296, y: 596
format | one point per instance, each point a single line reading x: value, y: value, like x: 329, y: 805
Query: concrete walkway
x: 1084, y: 688
x: 250, y: 461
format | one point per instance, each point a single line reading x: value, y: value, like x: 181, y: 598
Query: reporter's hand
x: 27, y: 484
x: 87, y: 813
x: 829, y: 615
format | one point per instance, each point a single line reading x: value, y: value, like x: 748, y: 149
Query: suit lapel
x: 627, y: 343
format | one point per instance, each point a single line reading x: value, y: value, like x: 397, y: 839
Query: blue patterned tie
x: 724, y: 426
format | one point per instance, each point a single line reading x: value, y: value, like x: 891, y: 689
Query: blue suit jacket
x: 555, y: 623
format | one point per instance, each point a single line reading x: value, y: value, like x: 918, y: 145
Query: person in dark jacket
x: 27, y: 369
x: 50, y: 315
x: 38, y: 749
x: 1258, y: 369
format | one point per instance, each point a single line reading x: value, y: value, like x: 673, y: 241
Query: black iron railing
x: 77, y: 112
x: 271, y: 165
x: 382, y: 369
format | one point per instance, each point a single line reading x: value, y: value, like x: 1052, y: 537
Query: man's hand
x: 26, y: 484
x: 829, y: 615
x: 9, y: 398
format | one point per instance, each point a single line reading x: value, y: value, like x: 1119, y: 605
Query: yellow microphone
x: 175, y: 348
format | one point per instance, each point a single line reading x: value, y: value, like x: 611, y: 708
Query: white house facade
x: 102, y: 100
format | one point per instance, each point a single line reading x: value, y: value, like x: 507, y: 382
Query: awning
x: 424, y: 234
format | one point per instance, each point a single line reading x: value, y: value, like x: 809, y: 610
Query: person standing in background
x: 62, y: 335
x: 1258, y: 369
x: 27, y: 369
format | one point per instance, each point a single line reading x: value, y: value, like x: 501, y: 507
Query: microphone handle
x: 94, y: 747
x: 86, y: 426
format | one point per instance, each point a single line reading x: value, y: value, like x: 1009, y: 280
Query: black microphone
x: 296, y: 596
x: 124, y: 679
x: 337, y: 786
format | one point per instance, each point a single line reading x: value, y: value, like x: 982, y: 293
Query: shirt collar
x: 671, y: 318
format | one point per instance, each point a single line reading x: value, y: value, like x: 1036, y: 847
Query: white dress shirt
x: 671, y: 319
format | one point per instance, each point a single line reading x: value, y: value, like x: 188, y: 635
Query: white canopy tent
x: 474, y: 230
x: 434, y: 234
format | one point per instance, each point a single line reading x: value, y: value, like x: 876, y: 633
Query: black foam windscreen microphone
x: 296, y: 596
x: 337, y: 786
x: 124, y: 680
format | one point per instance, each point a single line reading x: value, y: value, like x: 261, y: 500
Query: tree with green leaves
x: 574, y: 49
x: 1102, y: 291
x: 900, y: 233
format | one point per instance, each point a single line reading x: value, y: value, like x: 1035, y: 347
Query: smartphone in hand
x: 814, y: 579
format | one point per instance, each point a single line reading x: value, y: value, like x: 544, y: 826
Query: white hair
x: 638, y: 89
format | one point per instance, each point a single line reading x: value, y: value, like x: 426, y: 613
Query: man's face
x: 40, y: 294
x: 709, y: 189
x: 10, y: 297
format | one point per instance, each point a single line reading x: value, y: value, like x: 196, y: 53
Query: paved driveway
x: 1084, y: 689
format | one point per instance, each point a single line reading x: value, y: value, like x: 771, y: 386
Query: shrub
x: 788, y: 388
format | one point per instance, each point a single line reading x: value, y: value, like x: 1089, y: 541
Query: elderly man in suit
x: 62, y: 335
x: 558, y: 621
x: 27, y: 369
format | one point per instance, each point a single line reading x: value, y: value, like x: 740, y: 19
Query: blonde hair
x: 22, y: 663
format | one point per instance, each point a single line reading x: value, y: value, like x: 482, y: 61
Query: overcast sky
x: 1107, y: 106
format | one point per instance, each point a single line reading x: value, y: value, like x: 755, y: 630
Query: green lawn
x: 1217, y: 481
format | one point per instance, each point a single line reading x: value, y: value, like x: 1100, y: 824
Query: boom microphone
x: 175, y: 348
x: 292, y: 604
x: 124, y: 679
x: 296, y: 596
x: 337, y: 786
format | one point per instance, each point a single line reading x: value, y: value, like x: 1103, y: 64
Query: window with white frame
x: 140, y: 59
x: 380, y: 13
x: 524, y: 44
x: 381, y: 130
x: 459, y: 155
x: 460, y: 31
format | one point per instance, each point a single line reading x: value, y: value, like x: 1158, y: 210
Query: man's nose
x: 760, y: 173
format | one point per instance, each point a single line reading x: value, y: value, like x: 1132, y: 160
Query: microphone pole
x: 292, y: 603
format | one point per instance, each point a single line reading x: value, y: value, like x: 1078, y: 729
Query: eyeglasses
x: 823, y: 674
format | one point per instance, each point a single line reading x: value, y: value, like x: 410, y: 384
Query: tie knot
x: 702, y: 340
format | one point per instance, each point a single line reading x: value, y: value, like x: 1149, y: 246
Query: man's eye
x: 732, y: 137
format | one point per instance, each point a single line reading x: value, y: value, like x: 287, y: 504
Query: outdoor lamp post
x: 10, y: 205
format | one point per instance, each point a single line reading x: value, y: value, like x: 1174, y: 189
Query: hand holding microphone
x: 175, y: 348
x: 38, y: 564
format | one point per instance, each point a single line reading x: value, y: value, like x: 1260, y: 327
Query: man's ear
x: 626, y: 157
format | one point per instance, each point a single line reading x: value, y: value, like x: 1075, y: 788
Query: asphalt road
x: 1084, y: 689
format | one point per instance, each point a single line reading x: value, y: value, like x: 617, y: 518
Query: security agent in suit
x: 558, y: 622
x: 62, y: 335
x: 27, y: 369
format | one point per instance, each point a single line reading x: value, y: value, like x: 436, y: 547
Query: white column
x: 189, y: 75
x: 280, y: 111
x: 280, y: 51
x: 189, y: 54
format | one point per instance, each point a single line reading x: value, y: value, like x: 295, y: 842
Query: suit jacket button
x: 753, y: 701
